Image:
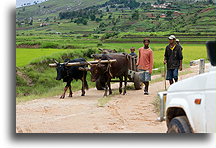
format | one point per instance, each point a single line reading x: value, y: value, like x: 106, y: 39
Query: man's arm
x: 151, y: 62
x: 180, y: 58
x: 138, y: 61
x: 165, y: 56
x: 180, y: 67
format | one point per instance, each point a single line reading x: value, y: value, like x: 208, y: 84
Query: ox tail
x: 128, y: 60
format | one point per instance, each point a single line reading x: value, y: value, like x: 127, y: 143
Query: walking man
x: 173, y: 58
x: 178, y: 42
x: 145, y: 64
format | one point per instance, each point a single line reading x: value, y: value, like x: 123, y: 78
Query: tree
x: 54, y: 18
x: 102, y: 25
x: 47, y: 19
x: 107, y: 9
x: 92, y: 17
x: 101, y: 16
x: 81, y: 21
x: 31, y: 22
x: 26, y: 20
x: 169, y: 13
x: 98, y: 20
x: 160, y: 1
x: 135, y: 15
x: 210, y: 1
x: 132, y: 4
x: 19, y: 24
x: 84, y: 22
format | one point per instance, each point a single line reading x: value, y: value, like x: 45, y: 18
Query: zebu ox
x: 68, y: 74
x: 105, y: 72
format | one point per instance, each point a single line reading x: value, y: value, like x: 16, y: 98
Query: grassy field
x: 190, y: 52
x: 25, y: 55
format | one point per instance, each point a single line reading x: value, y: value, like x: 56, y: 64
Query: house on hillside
x: 163, y: 15
x: 162, y: 6
x: 176, y: 13
x: 43, y: 24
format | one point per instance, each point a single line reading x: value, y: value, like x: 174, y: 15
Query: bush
x: 85, y: 35
x: 109, y: 35
x: 99, y: 44
x: 69, y: 47
x: 96, y: 36
x: 49, y: 45
x: 31, y: 43
x: 20, y: 81
x: 89, y: 52
x: 120, y: 50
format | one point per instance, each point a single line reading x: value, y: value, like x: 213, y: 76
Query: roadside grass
x: 54, y: 91
x: 156, y: 101
x: 44, y: 90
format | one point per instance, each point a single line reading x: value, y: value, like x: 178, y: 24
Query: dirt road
x: 132, y: 113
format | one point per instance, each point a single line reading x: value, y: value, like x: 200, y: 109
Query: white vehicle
x: 189, y: 105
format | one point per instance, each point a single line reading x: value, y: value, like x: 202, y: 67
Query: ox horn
x: 66, y: 62
x: 56, y: 61
x: 89, y: 63
x: 99, y: 62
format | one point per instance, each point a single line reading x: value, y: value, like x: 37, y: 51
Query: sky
x: 19, y: 3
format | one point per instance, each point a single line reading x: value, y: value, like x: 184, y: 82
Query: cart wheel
x: 99, y: 85
x: 137, y: 83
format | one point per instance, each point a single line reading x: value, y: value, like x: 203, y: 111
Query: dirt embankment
x: 27, y: 46
x: 132, y: 113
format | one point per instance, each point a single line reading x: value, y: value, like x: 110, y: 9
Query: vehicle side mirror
x: 211, y: 50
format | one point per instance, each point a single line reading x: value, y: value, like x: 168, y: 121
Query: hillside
x: 53, y: 7
x: 97, y: 16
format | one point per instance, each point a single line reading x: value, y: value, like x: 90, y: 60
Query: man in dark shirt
x: 178, y: 42
x: 173, y: 58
